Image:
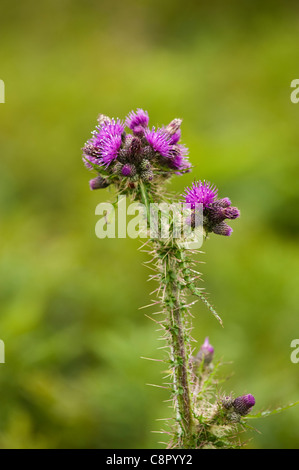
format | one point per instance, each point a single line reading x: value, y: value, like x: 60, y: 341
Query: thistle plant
x: 138, y: 161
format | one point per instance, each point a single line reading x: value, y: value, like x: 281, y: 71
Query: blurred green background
x: 69, y: 314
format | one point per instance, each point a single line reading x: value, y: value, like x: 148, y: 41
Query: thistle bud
x: 174, y: 126
x: 148, y: 152
x: 222, y: 229
x: 117, y: 168
x: 128, y: 170
x: 147, y: 175
x: 135, y: 147
x: 244, y: 404
x: 145, y: 165
x: 98, y: 183
x: 227, y: 402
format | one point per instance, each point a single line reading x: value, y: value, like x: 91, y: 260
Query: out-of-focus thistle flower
x: 144, y: 154
x: 206, y: 354
x: 215, y: 211
x: 244, y: 404
x: 207, y: 351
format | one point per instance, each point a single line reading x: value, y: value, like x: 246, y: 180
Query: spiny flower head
x: 145, y: 154
x: 200, y: 193
x: 215, y: 211
x: 105, y: 143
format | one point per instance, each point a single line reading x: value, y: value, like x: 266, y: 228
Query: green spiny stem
x: 175, y: 308
x: 170, y: 258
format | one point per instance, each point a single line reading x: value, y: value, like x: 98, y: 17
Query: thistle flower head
x: 244, y: 404
x: 105, y: 143
x: 108, y: 139
x: 200, y: 193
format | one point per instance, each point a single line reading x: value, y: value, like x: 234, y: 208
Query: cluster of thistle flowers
x: 234, y: 408
x: 145, y: 154
x: 148, y: 155
x: 215, y: 211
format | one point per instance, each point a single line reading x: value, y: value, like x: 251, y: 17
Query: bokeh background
x: 69, y: 315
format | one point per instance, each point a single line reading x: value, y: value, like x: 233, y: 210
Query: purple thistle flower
x: 200, y: 193
x: 160, y: 141
x: 109, y: 148
x: 108, y: 139
x: 244, y: 404
x: 107, y: 129
x: 138, y: 121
